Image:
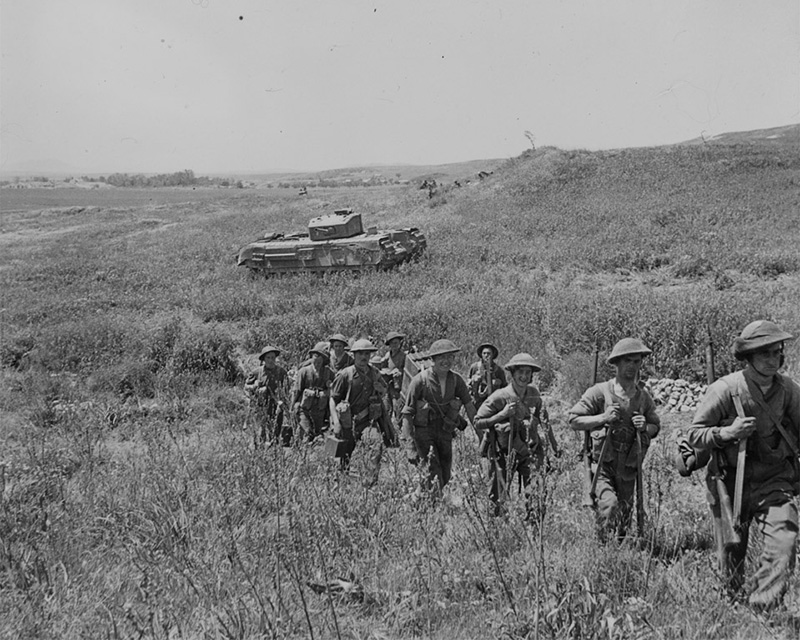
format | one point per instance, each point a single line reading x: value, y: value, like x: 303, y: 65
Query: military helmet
x: 322, y: 348
x: 756, y: 336
x: 522, y: 360
x: 269, y: 349
x: 494, y: 349
x: 442, y: 347
x: 362, y: 345
x: 338, y: 337
x: 392, y: 335
x: 375, y: 360
x: 627, y: 347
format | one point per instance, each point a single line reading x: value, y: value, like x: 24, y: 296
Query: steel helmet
x: 494, y: 349
x: 442, y: 347
x: 362, y: 345
x: 627, y: 347
x: 392, y: 335
x: 522, y: 360
x: 756, y: 336
x: 339, y: 338
x: 269, y: 349
x: 322, y: 348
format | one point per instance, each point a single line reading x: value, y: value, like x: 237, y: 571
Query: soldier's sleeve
x: 490, y: 407
x: 339, y: 388
x: 714, y: 408
x: 592, y: 403
x: 793, y: 407
x: 414, y: 394
x: 462, y: 390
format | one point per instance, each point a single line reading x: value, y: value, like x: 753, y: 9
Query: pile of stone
x: 675, y: 395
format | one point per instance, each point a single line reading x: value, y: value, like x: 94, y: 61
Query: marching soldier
x: 509, y: 422
x: 751, y: 418
x: 340, y: 357
x: 265, y: 387
x: 614, y: 412
x: 431, y: 415
x: 311, y: 391
x: 357, y: 393
x: 485, y: 375
x: 392, y: 365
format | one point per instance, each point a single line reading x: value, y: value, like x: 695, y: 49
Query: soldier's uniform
x: 518, y: 442
x: 357, y: 395
x: 432, y: 407
x: 771, y: 471
x: 310, y: 394
x: 266, y: 388
x: 616, y: 471
x: 337, y: 363
x: 392, y: 367
x: 483, y: 380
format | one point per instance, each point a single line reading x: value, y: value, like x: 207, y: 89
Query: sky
x: 250, y: 86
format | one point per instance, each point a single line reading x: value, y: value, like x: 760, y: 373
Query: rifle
x: 728, y: 531
x: 740, y: 461
x: 589, y: 483
x: 548, y: 430
x: 639, y: 487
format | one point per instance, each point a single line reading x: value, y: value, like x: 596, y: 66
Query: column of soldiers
x: 747, y: 426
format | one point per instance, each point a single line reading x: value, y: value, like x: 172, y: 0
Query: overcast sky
x: 259, y: 85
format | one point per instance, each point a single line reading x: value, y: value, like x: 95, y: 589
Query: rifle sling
x: 775, y: 420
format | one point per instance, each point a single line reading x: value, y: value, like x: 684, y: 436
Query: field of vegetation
x: 134, y: 503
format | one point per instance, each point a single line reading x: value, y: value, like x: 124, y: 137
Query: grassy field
x: 135, y: 505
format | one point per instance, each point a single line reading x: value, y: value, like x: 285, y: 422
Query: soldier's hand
x: 612, y: 414
x: 412, y: 455
x: 741, y: 428
x: 509, y: 411
x: 639, y: 422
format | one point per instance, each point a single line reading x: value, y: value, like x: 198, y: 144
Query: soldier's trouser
x: 435, y: 451
x: 499, y: 474
x: 615, y: 492
x: 778, y: 524
x: 312, y: 423
x: 271, y: 425
x: 372, y: 440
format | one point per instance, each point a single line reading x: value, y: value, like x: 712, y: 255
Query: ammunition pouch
x: 422, y: 414
x: 313, y: 399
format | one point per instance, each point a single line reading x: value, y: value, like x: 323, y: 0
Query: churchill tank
x: 334, y: 242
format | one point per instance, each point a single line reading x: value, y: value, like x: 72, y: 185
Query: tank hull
x: 374, y: 250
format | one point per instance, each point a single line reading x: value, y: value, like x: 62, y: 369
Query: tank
x: 334, y: 242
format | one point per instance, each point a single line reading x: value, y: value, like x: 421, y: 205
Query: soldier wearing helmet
x: 357, y: 393
x: 339, y: 356
x: 431, y: 416
x: 768, y: 418
x: 509, y: 423
x: 266, y: 388
x: 485, y: 375
x: 311, y: 392
x: 617, y: 409
x: 392, y: 365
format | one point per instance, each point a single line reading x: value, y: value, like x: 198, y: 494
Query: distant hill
x: 788, y: 135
